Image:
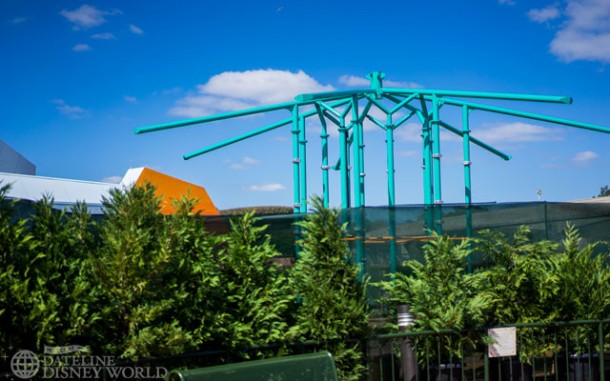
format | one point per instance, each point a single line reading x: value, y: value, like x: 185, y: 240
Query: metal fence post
x: 408, y: 366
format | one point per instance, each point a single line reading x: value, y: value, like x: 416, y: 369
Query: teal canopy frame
x: 334, y: 107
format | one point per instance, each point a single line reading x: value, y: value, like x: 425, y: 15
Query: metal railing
x: 557, y: 351
x: 574, y: 351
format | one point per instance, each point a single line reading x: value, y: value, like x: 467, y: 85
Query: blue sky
x: 78, y: 77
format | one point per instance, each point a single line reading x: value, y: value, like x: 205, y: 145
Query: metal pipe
x: 436, y: 152
x: 403, y: 103
x: 357, y: 147
x: 325, y: 167
x: 345, y: 197
x: 330, y: 95
x: 253, y: 133
x: 303, y: 164
x: 476, y: 141
x: 211, y: 118
x: 481, y: 94
x: 328, y: 108
x: 529, y: 115
x: 296, y: 159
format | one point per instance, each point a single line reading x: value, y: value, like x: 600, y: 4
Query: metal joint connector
x: 438, y: 202
x: 467, y: 163
x: 362, y: 174
x: 325, y: 167
x: 296, y: 160
x: 437, y: 155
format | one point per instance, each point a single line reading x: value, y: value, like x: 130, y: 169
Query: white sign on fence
x: 505, y: 342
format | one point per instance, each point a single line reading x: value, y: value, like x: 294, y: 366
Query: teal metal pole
x: 343, y: 157
x: 436, y: 166
x: 296, y: 158
x: 256, y: 132
x: 357, y: 171
x: 436, y: 152
x: 481, y: 94
x: 467, y: 177
x: 325, y: 167
x: 389, y: 139
x: 467, y: 162
x: 476, y: 141
x: 211, y: 118
x: 303, y: 164
x: 529, y: 115
x: 427, y: 162
x: 392, y: 224
x: 359, y: 199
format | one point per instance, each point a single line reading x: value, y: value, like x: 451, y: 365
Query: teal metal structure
x: 334, y: 107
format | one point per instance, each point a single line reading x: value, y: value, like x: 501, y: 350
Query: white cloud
x: 104, y: 36
x: 355, y: 81
x: 517, y: 132
x: 112, y: 179
x: 268, y: 187
x: 230, y: 91
x: 81, y: 47
x: 411, y: 132
x: 18, y: 20
x: 584, y: 33
x: 129, y: 99
x: 584, y: 157
x: 87, y: 16
x: 545, y: 14
x: 245, y: 163
x: 72, y: 112
x: 135, y: 30
x: 407, y: 153
x: 507, y: 2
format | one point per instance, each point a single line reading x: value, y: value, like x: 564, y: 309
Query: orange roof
x: 170, y: 188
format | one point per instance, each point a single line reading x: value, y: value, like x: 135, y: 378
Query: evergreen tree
x: 256, y: 296
x: 132, y: 271
x: 332, y: 303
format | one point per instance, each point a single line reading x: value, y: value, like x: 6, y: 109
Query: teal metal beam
x: 236, y: 139
x: 376, y: 121
x: 476, y: 141
x: 365, y: 111
x: 389, y: 139
x: 436, y: 152
x: 212, y: 118
x: 427, y: 162
x: 467, y: 162
x: 253, y: 133
x: 324, y: 137
x: 404, y: 119
x: 357, y: 147
x: 482, y: 94
x: 343, y: 165
x: 303, y: 164
x: 528, y: 115
x: 332, y: 95
x: 296, y: 160
x: 328, y: 108
x: 420, y: 114
x: 402, y: 103
x: 378, y: 104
